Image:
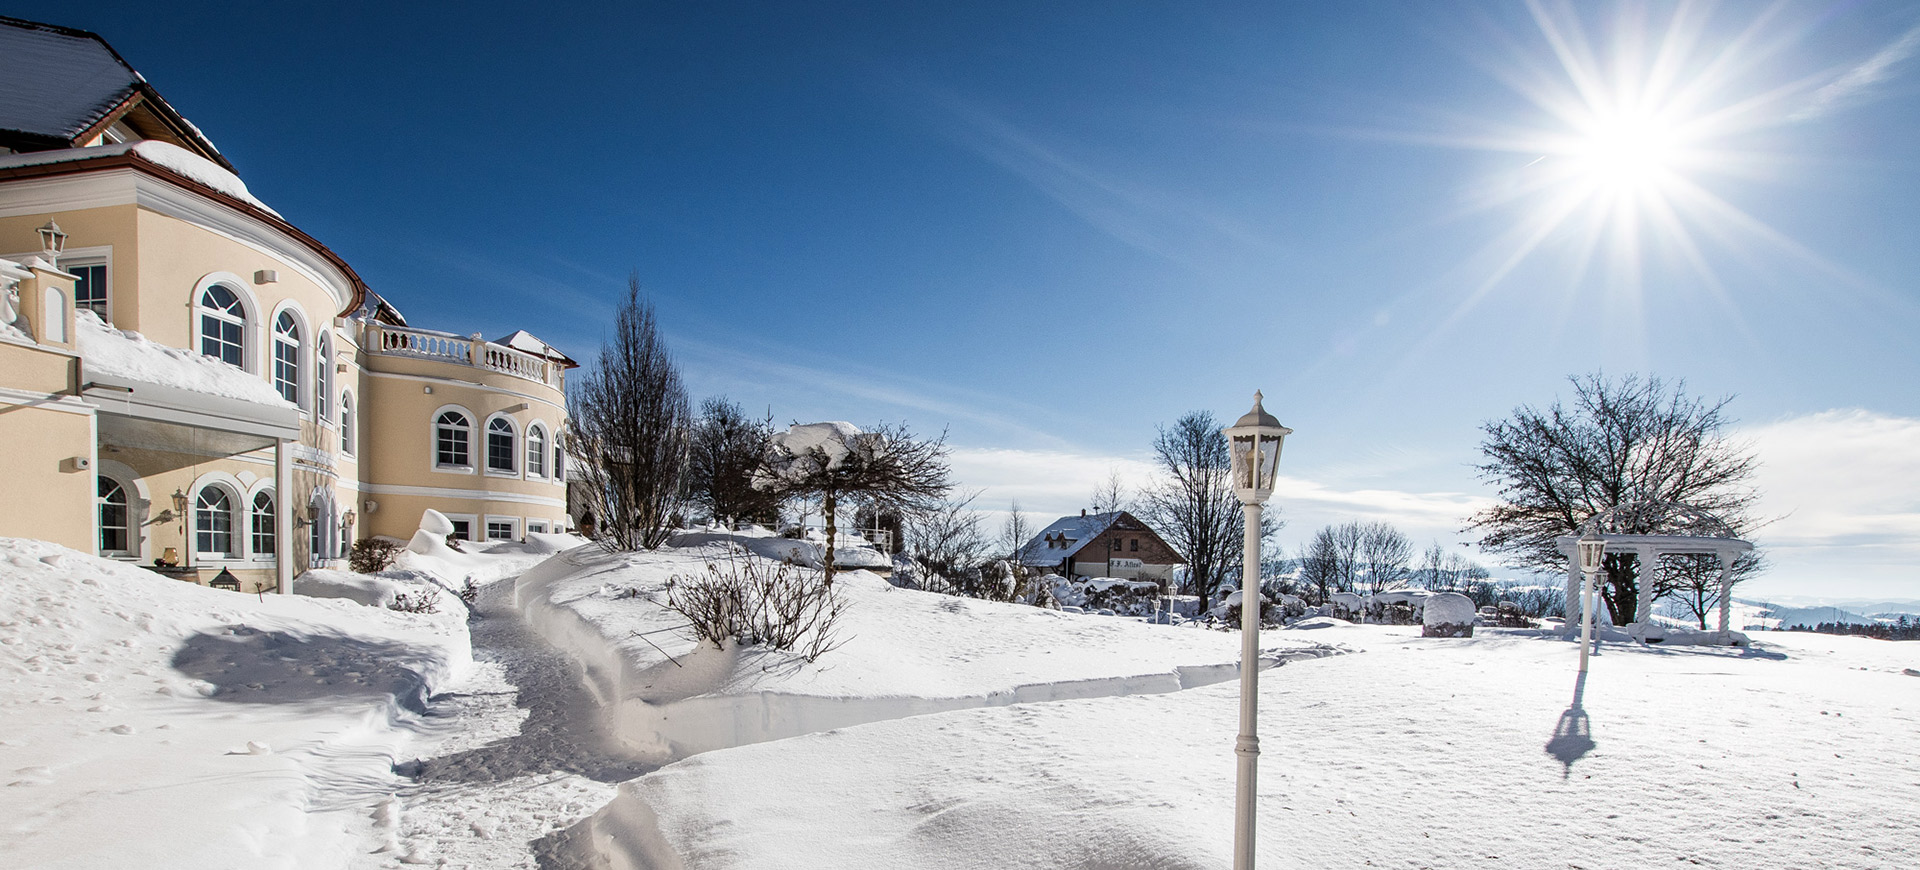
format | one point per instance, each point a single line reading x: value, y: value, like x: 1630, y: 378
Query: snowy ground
x: 1413, y: 753
x: 156, y: 723
x: 152, y: 723
x: 905, y: 653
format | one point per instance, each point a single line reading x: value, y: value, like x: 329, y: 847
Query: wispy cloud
x: 1857, y: 85
x: 1151, y: 218
x: 842, y: 389
x: 1846, y: 487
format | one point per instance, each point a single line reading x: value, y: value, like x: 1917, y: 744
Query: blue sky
x: 1048, y: 228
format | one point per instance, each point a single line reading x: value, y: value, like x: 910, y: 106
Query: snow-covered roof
x: 525, y: 342
x: 59, y: 85
x: 172, y: 158
x: 59, y: 82
x: 131, y: 356
x: 1067, y: 535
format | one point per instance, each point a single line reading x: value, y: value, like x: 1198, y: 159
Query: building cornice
x: 324, y: 257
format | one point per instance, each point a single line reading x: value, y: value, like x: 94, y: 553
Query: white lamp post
x: 1254, y: 443
x: 1593, y: 548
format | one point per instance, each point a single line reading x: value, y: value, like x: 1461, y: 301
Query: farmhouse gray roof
x: 1071, y: 533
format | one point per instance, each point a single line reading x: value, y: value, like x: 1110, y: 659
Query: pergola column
x: 1573, y: 595
x: 1726, y: 589
x: 1649, y: 559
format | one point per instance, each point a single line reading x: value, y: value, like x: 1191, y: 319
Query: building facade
x: 1113, y: 544
x: 187, y: 377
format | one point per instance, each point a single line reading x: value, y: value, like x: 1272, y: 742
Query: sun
x: 1632, y: 151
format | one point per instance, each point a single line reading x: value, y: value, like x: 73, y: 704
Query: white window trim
x: 264, y: 485
x: 135, y: 513
x: 543, y: 524
x: 237, y: 511
x: 303, y: 380
x: 487, y: 532
x: 473, y: 525
x: 519, y: 462
x: 250, y: 332
x: 323, y: 374
x: 350, y: 425
x: 433, y: 442
x: 139, y: 506
x: 546, y: 450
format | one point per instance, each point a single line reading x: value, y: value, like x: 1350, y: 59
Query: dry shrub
x: 758, y: 602
x: 373, y: 555
x: 421, y: 601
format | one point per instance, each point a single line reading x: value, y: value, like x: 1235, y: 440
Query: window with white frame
x: 452, y: 434
x: 264, y: 543
x: 500, y: 445
x: 223, y: 325
x: 538, y: 527
x: 213, y: 522
x: 536, y: 451
x: 503, y: 528
x: 286, y: 356
x: 323, y: 378
x: 90, y: 290
x: 116, y: 527
x: 347, y: 434
x: 462, y: 528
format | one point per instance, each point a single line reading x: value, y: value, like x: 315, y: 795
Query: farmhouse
x: 1113, y: 544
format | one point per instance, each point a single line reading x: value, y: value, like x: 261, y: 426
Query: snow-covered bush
x: 417, y: 601
x: 757, y: 602
x: 1448, y: 614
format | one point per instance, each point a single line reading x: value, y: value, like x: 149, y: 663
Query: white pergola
x: 1649, y: 549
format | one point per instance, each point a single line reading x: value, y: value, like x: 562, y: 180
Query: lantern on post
x: 1593, y: 552
x: 1254, y: 444
x: 53, y: 241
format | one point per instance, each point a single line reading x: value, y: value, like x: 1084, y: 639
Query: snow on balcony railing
x: 468, y: 350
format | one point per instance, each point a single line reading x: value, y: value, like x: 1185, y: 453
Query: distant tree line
x: 1904, y: 628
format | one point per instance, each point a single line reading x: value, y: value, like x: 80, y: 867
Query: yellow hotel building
x: 187, y: 377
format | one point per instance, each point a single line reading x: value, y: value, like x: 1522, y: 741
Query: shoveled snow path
x: 522, y: 752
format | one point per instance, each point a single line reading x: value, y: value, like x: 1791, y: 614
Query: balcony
x: 471, y: 350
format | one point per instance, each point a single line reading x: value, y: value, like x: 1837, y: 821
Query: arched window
x: 323, y: 379
x: 263, y: 529
x: 347, y: 435
x: 536, y: 451
x: 500, y: 446
x: 450, y: 440
x: 223, y: 323
x: 115, y: 530
x: 213, y: 522
x: 286, y: 354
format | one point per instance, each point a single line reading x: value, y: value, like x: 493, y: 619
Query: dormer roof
x: 66, y: 87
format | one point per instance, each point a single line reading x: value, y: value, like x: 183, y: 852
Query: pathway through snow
x: 521, y: 753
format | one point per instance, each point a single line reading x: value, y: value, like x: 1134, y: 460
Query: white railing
x: 471, y: 350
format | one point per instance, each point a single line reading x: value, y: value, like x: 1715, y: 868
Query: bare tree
x: 1193, y: 504
x: 1635, y: 444
x: 1384, y: 554
x: 950, y: 542
x: 1110, y: 496
x: 1693, y: 579
x: 1014, y: 535
x: 1320, y: 565
x: 628, y: 432
x: 886, y: 470
x: 726, y: 450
